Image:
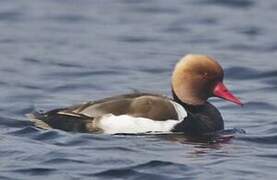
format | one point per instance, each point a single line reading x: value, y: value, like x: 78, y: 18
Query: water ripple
x: 31, y: 60
x: 230, y: 3
x: 29, y: 130
x: 261, y: 105
x: 11, y: 16
x: 250, y: 31
x: 84, y: 73
x: 35, y: 171
x: 267, y: 139
x: 48, y: 135
x: 248, y: 73
x: 146, y: 171
x: 71, y: 18
x: 9, y: 122
x: 6, y: 177
x: 36, y: 61
x: 137, y: 39
x: 270, y: 156
x: 115, y: 148
x: 63, y: 161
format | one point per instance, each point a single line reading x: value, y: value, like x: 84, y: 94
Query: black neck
x: 189, y: 107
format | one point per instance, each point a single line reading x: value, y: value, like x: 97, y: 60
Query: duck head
x: 198, y: 77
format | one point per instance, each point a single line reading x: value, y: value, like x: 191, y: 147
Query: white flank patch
x: 112, y: 124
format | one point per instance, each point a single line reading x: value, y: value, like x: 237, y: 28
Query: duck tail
x: 58, y: 119
x: 38, y: 119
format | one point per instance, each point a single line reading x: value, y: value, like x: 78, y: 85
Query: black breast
x: 201, y: 119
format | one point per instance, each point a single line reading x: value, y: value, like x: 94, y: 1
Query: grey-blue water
x: 58, y: 53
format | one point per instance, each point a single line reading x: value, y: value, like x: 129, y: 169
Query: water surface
x: 58, y: 53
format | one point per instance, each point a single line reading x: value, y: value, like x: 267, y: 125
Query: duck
x: 194, y: 80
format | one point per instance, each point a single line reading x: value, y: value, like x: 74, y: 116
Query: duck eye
x: 205, y: 75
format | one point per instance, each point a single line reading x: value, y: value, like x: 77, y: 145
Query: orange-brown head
x: 198, y: 77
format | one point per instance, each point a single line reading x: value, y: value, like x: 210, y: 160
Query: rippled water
x: 59, y: 53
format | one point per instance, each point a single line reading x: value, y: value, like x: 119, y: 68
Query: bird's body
x: 132, y: 113
x: 187, y: 112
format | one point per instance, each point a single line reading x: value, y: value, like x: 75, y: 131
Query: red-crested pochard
x: 195, y: 78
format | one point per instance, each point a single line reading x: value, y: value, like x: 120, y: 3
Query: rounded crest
x: 195, y: 77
